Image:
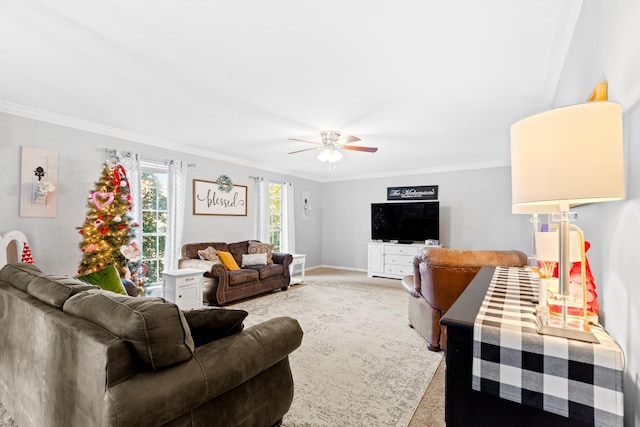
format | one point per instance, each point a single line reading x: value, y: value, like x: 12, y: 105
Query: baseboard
x: 336, y: 267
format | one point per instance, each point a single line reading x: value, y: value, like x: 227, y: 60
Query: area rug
x: 5, y: 418
x: 359, y: 363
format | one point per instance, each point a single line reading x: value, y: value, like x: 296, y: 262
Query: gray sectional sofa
x: 74, y: 355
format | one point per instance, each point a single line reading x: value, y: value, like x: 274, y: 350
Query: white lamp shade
x: 547, y: 246
x: 571, y: 154
x: 330, y: 154
x: 335, y: 155
x: 535, y: 209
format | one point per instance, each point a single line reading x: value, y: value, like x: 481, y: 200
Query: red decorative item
x: 26, y: 254
x: 575, y: 276
x: 104, y: 229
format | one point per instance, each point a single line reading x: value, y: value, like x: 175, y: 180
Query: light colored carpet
x: 344, y: 387
x: 359, y: 363
x: 5, y: 418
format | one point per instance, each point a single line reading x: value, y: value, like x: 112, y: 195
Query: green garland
x: 224, y: 183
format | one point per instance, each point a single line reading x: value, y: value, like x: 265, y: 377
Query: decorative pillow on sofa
x: 55, y: 290
x: 210, y: 324
x: 228, y: 261
x: 254, y: 259
x: 262, y: 248
x: 209, y: 254
x: 107, y: 278
x: 157, y: 329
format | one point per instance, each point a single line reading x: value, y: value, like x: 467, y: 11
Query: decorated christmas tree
x: 108, y: 235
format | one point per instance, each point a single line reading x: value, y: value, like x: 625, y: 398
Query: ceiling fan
x: 332, y: 144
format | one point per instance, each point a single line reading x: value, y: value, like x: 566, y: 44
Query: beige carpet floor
x: 430, y: 410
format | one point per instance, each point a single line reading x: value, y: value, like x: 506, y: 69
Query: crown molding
x: 84, y: 125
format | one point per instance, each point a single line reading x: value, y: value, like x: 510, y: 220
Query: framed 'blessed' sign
x: 208, y: 199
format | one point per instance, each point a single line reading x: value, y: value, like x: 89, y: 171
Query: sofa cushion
x: 228, y: 261
x: 210, y: 324
x: 20, y: 274
x: 209, y: 254
x: 239, y: 248
x: 239, y: 277
x: 257, y: 248
x: 108, y: 279
x: 55, y: 290
x: 269, y: 270
x: 157, y: 329
x: 254, y: 259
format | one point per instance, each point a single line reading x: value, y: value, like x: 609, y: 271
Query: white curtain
x: 262, y: 209
x: 288, y: 241
x: 177, y: 180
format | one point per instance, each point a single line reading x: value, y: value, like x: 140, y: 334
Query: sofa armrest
x: 233, y: 360
x: 200, y: 264
x: 216, y: 368
x: 282, y: 258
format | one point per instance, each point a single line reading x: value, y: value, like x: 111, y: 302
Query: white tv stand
x: 392, y: 260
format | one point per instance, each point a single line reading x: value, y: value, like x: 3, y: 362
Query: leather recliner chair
x: 439, y: 277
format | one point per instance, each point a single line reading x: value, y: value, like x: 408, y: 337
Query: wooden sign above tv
x: 422, y: 192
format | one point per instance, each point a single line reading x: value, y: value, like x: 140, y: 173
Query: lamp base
x: 576, y: 329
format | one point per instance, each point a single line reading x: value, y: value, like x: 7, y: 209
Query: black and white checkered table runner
x: 566, y: 377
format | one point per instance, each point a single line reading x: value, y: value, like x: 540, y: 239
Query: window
x: 275, y: 215
x: 153, y: 188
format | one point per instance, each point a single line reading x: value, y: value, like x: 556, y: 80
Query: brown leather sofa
x: 222, y: 286
x: 439, y: 277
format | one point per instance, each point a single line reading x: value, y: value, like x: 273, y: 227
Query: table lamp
x: 534, y: 211
x: 565, y: 157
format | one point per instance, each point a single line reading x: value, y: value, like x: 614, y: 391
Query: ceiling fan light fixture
x: 330, y: 154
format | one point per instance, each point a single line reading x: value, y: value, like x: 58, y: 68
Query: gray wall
x: 605, y: 47
x: 475, y: 213
x: 54, y: 241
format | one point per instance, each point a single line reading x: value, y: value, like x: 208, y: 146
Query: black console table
x: 463, y: 405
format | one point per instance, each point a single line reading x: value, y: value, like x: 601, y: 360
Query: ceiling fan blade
x: 303, y: 140
x: 300, y: 151
x: 358, y: 148
x: 347, y: 139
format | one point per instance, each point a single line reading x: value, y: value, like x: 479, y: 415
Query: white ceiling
x: 434, y: 85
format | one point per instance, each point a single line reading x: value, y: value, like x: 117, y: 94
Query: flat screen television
x: 405, y: 222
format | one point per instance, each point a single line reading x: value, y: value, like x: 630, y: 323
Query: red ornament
x: 81, y: 231
x: 103, y: 229
x: 121, y: 227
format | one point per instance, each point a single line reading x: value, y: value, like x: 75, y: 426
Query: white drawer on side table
x: 183, y: 287
x: 299, y: 260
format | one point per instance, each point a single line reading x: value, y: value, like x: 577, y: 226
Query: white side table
x: 298, y: 260
x: 183, y: 287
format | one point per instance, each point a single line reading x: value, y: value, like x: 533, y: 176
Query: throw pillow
x: 258, y: 248
x: 209, y: 254
x: 210, y: 324
x: 107, y: 278
x: 130, y: 287
x: 157, y: 330
x: 254, y: 259
x: 228, y: 261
